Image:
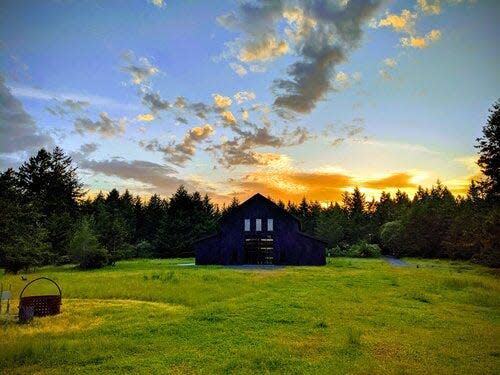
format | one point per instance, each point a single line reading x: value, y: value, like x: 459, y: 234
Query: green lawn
x: 351, y: 316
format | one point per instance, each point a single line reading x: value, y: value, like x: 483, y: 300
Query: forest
x: 46, y: 217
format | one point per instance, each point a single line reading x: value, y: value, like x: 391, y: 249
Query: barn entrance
x: 259, y: 249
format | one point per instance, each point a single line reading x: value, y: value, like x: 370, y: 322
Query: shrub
x: 144, y: 249
x: 95, y: 258
x: 364, y: 250
x: 85, y: 249
x: 338, y: 251
x: 392, y: 237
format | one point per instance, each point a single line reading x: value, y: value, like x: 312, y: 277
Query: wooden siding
x: 290, y: 245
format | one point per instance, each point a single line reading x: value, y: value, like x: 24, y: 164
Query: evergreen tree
x: 23, y: 240
x: 489, y: 153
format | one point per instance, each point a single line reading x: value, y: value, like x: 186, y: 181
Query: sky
x: 288, y: 98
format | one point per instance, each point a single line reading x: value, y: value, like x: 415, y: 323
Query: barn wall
x: 207, y: 251
x: 290, y: 245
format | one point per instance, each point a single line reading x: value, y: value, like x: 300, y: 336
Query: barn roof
x: 254, y: 197
x: 259, y: 196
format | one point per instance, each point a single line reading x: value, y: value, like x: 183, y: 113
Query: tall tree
x: 489, y: 153
x: 50, y: 182
x: 23, y: 240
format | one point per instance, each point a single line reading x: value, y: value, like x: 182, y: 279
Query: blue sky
x: 288, y: 97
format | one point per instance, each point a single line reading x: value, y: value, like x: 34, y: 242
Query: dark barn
x: 260, y: 232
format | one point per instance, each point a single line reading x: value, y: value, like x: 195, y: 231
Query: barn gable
x: 260, y: 232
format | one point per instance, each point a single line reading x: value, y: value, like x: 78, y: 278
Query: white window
x: 247, y: 225
x: 269, y: 225
x: 258, y: 225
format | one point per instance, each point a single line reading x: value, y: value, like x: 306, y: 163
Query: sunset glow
x: 286, y: 98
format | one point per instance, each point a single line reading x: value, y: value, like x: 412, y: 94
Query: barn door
x: 259, y: 249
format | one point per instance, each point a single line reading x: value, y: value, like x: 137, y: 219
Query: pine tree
x: 489, y: 153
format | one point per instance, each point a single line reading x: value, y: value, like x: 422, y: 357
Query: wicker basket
x: 39, y: 305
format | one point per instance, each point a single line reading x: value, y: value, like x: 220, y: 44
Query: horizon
x: 290, y: 99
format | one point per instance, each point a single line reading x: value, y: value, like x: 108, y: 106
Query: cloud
x: 321, y: 34
x: 222, y: 102
x: 181, y: 153
x: 158, y: 3
x: 421, y: 42
x: 403, y: 23
x: 67, y: 107
x: 430, y: 6
x: 148, y: 117
x: 266, y: 49
x: 238, y: 69
x: 385, y: 74
x: 105, y: 126
x: 228, y: 118
x: 397, y: 180
x: 160, y: 178
x: 391, y: 63
x: 155, y: 103
x: 140, y: 70
x: 345, y: 131
x: 244, y: 115
x: 293, y: 185
x: 243, y: 96
x: 18, y: 130
x: 241, y: 149
x: 83, y: 153
x: 343, y: 81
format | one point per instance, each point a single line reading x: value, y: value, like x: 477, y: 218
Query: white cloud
x: 243, y: 96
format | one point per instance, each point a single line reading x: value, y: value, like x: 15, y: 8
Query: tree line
x: 46, y: 219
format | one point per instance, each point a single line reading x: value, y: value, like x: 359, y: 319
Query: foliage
x: 23, y: 239
x: 85, y: 248
x: 392, y: 238
x: 364, y: 250
x: 49, y: 181
x: 489, y: 153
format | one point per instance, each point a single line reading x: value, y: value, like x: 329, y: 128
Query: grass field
x: 352, y: 316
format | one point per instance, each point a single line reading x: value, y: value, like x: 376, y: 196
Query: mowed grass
x: 352, y: 316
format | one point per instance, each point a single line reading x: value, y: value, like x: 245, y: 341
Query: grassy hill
x: 351, y: 316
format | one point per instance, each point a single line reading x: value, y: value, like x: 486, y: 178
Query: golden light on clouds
x: 228, y: 118
x: 222, y: 101
x: 402, y: 23
x: 148, y: 117
x: 263, y: 50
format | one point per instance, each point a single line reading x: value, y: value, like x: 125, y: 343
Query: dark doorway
x: 259, y: 249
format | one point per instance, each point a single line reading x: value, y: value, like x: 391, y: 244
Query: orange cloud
x: 397, y: 180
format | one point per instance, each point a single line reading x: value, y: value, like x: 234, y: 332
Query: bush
x: 95, y: 258
x: 340, y: 250
x: 85, y: 249
x: 392, y: 237
x: 364, y: 250
x: 143, y: 249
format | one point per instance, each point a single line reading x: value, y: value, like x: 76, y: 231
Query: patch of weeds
x: 483, y: 299
x: 296, y: 305
x: 210, y: 278
x: 212, y: 315
x: 145, y: 277
x: 421, y: 297
x: 455, y: 283
x: 353, y: 337
x: 322, y: 324
x: 166, y: 277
